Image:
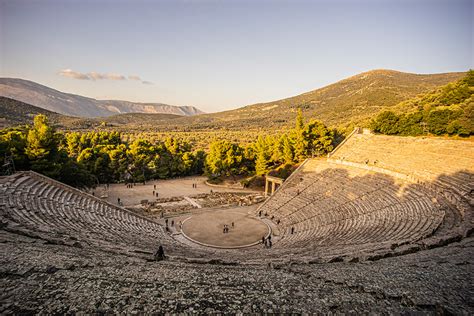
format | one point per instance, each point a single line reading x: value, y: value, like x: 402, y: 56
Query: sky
x: 220, y: 55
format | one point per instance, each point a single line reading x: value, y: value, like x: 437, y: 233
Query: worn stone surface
x: 44, y: 278
x: 365, y: 242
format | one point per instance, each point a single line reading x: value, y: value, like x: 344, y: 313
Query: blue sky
x: 219, y: 55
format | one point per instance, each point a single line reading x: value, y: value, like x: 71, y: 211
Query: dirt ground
x: 207, y: 227
x: 165, y: 188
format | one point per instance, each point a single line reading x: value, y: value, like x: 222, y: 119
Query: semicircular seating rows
x: 443, y: 166
x: 34, y: 204
x: 374, y: 194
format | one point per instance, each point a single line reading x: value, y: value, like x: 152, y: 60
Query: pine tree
x: 262, y: 150
x: 42, y: 147
x: 287, y: 150
x: 224, y: 158
x: 298, y: 138
x: 299, y: 120
x: 40, y: 140
x: 318, y: 139
x: 261, y: 163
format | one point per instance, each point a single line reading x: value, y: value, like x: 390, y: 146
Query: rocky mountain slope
x: 76, y: 105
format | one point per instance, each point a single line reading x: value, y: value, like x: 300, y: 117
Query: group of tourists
x: 195, y: 185
x: 166, y: 222
x: 267, y: 242
x: 167, y: 227
x: 266, y: 215
x: 169, y: 224
x: 130, y: 185
x: 226, y: 228
x: 155, y: 192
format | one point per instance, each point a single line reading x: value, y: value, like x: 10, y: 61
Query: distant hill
x: 76, y: 105
x: 13, y: 112
x: 350, y: 101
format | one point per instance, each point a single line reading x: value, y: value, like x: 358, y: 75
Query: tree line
x: 87, y: 159
x: 270, y: 152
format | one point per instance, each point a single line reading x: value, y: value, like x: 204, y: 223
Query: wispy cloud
x: 74, y: 74
x: 115, y: 77
x: 98, y: 76
x: 134, y: 78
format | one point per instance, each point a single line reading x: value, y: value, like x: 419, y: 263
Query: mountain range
x: 349, y: 102
x: 75, y: 105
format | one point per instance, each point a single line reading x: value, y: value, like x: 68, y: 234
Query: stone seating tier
x: 57, y: 211
x: 341, y: 208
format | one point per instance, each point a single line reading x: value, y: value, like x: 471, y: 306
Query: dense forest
x: 91, y: 158
x: 448, y: 110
